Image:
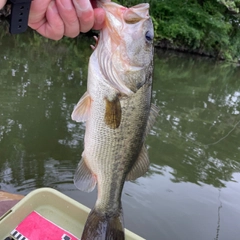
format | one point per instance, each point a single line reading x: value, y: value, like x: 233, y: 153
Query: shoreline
x: 167, y: 45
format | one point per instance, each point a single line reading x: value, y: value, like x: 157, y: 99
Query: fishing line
x: 184, y: 137
x: 198, y: 143
x: 219, y: 216
x: 225, y: 135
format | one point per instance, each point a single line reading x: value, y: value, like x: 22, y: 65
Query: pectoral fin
x: 81, y: 111
x: 113, y: 113
x: 140, y: 167
x: 84, y: 180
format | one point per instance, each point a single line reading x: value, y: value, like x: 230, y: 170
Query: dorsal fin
x: 140, y: 167
x: 81, y: 110
x: 152, y: 118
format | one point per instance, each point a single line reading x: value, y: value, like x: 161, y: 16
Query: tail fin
x: 103, y: 227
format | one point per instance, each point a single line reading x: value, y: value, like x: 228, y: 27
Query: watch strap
x: 18, y: 18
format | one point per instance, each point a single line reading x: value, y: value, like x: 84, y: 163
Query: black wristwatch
x: 18, y: 18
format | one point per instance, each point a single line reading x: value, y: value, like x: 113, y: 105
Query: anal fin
x: 84, y: 180
x: 140, y: 167
x: 81, y: 111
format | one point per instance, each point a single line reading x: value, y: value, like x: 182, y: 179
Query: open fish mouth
x: 129, y: 15
x: 136, y: 13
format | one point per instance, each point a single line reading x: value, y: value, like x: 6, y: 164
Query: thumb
x: 2, y: 3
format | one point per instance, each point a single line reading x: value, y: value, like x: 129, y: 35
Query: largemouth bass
x: 118, y: 114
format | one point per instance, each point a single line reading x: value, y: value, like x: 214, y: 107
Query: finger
x: 69, y: 17
x: 52, y: 26
x: 2, y: 3
x: 37, y: 12
x: 99, y: 17
x: 85, y: 14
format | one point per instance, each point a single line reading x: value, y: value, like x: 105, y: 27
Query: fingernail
x: 53, y: 6
x: 67, y: 4
x: 82, y: 5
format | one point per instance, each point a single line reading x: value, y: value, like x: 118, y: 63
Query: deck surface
x: 7, y: 201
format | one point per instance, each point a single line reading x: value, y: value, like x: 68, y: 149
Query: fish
x: 118, y: 114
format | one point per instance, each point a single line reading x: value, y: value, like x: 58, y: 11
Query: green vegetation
x: 209, y: 27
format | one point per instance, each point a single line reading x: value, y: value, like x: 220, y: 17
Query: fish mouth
x: 117, y: 16
x: 129, y: 15
x: 136, y: 13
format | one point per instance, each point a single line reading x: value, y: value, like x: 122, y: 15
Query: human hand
x: 55, y: 19
x: 2, y: 3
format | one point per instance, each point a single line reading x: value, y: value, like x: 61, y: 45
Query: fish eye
x: 149, y: 36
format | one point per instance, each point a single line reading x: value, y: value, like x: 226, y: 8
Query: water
x: 192, y: 188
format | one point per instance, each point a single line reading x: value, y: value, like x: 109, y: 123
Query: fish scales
x: 118, y: 113
x: 120, y: 146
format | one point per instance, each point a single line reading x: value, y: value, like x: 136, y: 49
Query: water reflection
x: 193, y: 147
x: 199, y: 121
x: 35, y: 119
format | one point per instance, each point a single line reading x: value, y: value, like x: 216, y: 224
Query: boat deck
x: 54, y: 209
x: 7, y: 201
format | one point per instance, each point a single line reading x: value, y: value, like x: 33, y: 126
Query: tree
x: 231, y: 5
x: 209, y: 27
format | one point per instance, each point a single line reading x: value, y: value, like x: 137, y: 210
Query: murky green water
x: 192, y: 188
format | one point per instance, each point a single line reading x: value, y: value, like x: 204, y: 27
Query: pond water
x: 191, y: 190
